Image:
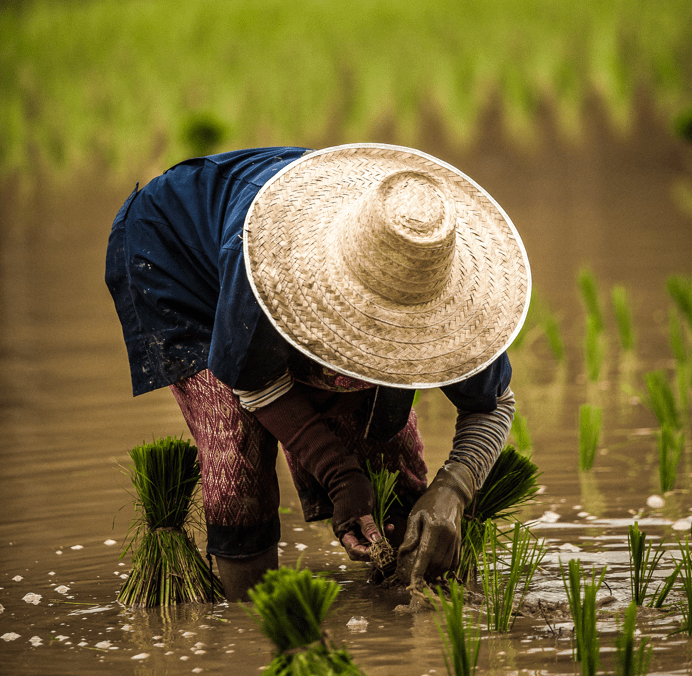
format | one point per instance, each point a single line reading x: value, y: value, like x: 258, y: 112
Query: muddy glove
x: 433, y: 535
x: 293, y: 420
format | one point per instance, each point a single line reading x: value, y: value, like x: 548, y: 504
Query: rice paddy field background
x: 576, y: 118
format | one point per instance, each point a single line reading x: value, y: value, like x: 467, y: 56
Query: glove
x: 433, y: 535
x: 292, y: 419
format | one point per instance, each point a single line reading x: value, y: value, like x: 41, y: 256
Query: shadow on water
x: 68, y: 418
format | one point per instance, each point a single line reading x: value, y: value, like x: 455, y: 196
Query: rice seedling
x: 589, y: 295
x: 671, y: 443
x: 541, y: 320
x: 680, y: 290
x: 681, y: 352
x: 590, y: 422
x: 583, y: 613
x: 593, y: 348
x: 289, y: 606
x: 661, y: 594
x: 461, y: 646
x: 551, y: 328
x: 505, y: 590
x: 662, y: 399
x: 286, y: 78
x: 685, y: 565
x: 676, y: 337
x: 623, y: 317
x: 520, y: 433
x: 631, y: 660
x: 167, y: 567
x: 511, y: 482
x: 643, y: 562
x: 383, y: 482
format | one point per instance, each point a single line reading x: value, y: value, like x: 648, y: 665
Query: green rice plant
x: 520, y: 433
x: 590, y: 423
x: 511, y: 482
x: 541, y: 320
x: 676, y: 337
x: 680, y: 290
x: 506, y: 589
x: 631, y: 660
x: 461, y: 646
x: 382, y: 554
x: 671, y: 443
x: 643, y: 562
x: 681, y: 352
x: 167, y: 567
x: 623, y: 317
x: 308, y: 70
x: 662, y: 399
x: 661, y: 594
x: 289, y: 606
x: 593, y: 349
x: 589, y: 295
x: 551, y: 328
x: 685, y: 565
x: 383, y: 483
x: 583, y: 613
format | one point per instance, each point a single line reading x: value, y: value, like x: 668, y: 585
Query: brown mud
x: 611, y: 203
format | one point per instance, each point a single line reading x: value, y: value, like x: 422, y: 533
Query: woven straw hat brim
x: 292, y: 257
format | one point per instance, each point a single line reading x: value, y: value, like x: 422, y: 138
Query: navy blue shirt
x: 176, y: 271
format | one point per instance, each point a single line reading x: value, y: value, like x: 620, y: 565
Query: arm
x: 286, y: 410
x: 433, y: 536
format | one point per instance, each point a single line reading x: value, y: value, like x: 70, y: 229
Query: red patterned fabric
x: 238, y: 456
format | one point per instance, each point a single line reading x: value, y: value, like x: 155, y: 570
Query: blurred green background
x: 123, y: 82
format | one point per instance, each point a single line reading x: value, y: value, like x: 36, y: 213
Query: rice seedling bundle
x: 623, y: 317
x: 589, y: 295
x: 631, y: 660
x: 551, y: 328
x: 643, y: 562
x: 583, y: 613
x: 685, y: 565
x: 671, y: 443
x: 501, y: 589
x: 540, y: 319
x: 676, y: 338
x: 662, y: 399
x: 593, y: 348
x: 290, y: 605
x: 590, y: 422
x: 680, y: 290
x: 511, y: 482
x: 382, y: 554
x: 520, y: 433
x: 461, y: 646
x: 167, y: 567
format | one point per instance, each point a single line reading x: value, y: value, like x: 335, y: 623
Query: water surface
x: 68, y: 419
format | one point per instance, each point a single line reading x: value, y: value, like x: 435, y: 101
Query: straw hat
x: 387, y: 264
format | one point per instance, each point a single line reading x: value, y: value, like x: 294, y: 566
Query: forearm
x: 478, y: 440
x: 303, y: 432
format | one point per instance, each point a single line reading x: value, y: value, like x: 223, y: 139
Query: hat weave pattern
x: 387, y: 264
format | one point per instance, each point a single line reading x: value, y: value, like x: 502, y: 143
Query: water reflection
x: 68, y: 418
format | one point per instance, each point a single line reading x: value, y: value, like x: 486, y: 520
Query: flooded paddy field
x: 68, y: 420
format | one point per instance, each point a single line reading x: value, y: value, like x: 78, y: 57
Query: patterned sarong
x: 240, y: 490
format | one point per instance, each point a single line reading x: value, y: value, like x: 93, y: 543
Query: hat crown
x: 399, y: 238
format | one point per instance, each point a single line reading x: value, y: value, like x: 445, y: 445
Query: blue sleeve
x: 479, y: 393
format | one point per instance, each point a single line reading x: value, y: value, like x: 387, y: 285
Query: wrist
x: 458, y: 478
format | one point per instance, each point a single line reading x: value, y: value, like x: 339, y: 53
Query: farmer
x: 303, y: 296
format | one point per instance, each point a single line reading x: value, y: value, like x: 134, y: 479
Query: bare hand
x: 357, y: 541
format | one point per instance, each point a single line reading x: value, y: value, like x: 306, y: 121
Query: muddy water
x: 68, y: 419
